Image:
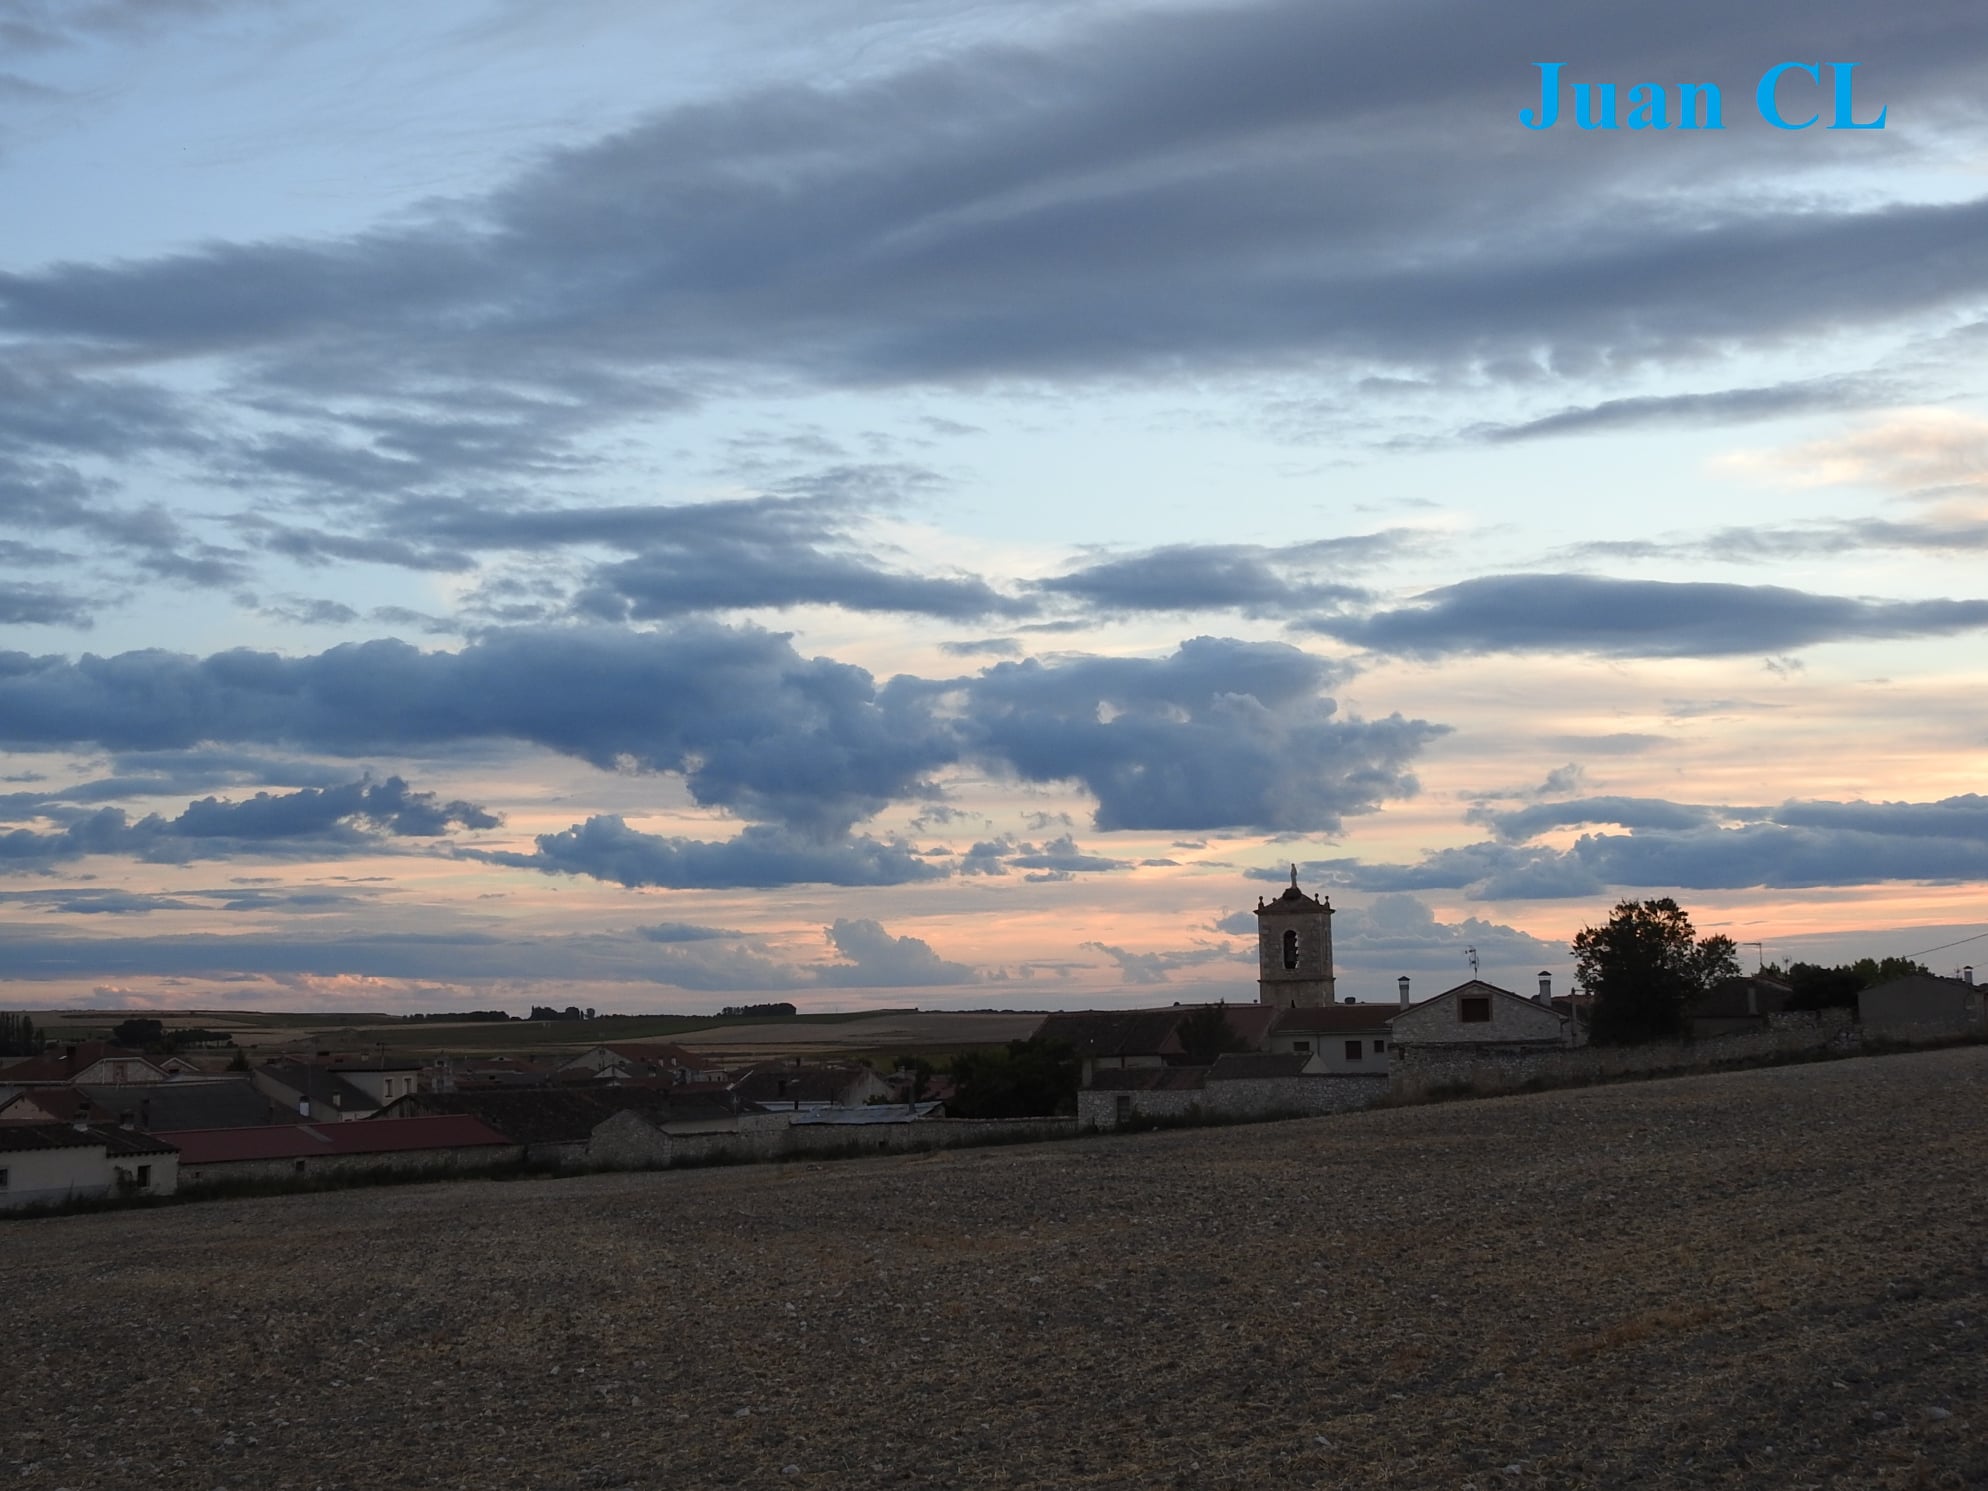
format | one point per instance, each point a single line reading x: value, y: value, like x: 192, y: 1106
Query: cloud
x: 1221, y: 733
x: 1726, y: 406
x: 1637, y: 618
x: 606, y: 848
x: 1908, y: 450
x: 873, y: 959
x: 1256, y: 580
x: 41, y: 605
x: 312, y: 821
x: 1158, y: 967
x: 752, y: 726
x: 1798, y: 845
x: 684, y: 932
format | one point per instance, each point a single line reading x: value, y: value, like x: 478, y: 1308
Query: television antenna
x: 1471, y: 953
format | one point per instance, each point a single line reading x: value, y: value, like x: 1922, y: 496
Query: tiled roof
x: 1240, y: 1066
x: 303, y: 1140
x: 233, y: 1103
x: 791, y: 1084
x: 1329, y: 1018
x: 63, y: 1063
x: 19, y: 1137
x: 328, y: 1092
x: 545, y: 1115
x: 1096, y: 1033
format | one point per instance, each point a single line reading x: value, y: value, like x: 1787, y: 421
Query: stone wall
x: 1251, y: 1098
x: 627, y: 1142
x: 436, y: 1162
x: 1420, y: 1072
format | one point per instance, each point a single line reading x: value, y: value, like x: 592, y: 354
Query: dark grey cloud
x: 30, y: 604
x: 1941, y: 535
x: 1221, y: 733
x: 750, y: 724
x: 1798, y: 845
x: 1637, y: 618
x: 1062, y: 854
x: 1277, y: 185
x: 99, y: 900
x: 309, y: 822
x: 606, y: 848
x: 1255, y: 579
x: 1725, y: 406
x: 1515, y: 825
x: 684, y: 932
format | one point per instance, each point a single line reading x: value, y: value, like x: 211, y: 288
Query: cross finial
x: 1294, y: 877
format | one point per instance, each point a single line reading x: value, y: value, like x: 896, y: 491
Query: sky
x: 655, y: 506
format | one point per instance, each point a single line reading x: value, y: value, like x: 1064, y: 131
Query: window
x: 1290, y: 949
x: 1352, y: 1050
x: 1303, y: 1048
x: 144, y: 1175
x: 1474, y: 1009
x: 1379, y: 1046
x: 300, y: 1167
x: 1121, y: 1108
x: 3, y: 1180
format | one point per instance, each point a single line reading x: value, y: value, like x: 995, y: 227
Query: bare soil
x: 1773, y: 1279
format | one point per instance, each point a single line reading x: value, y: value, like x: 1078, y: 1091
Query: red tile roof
x: 1327, y: 1018
x: 301, y: 1140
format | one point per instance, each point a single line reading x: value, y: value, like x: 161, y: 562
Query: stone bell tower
x: 1294, y: 949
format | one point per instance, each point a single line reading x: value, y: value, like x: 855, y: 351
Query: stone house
x: 556, y: 1125
x: 1924, y: 1006
x: 799, y: 1088
x: 91, y: 1063
x: 1123, y: 1040
x: 47, y: 1164
x: 640, y: 1061
x: 1242, y: 1085
x: 1742, y: 1003
x: 317, y: 1092
x: 1480, y: 1017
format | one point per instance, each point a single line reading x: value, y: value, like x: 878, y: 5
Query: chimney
x: 80, y: 1124
x: 1402, y: 984
x: 1546, y: 988
x: 304, y: 1108
x: 1967, y: 975
x: 128, y: 1121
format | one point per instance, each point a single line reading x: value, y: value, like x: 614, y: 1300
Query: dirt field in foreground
x: 1771, y: 1279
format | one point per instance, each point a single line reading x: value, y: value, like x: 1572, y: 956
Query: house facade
x: 47, y: 1164
x: 1924, y: 1006
x: 1479, y: 1016
x: 1349, y: 1039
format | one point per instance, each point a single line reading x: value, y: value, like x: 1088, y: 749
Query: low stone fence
x: 627, y: 1141
x: 438, y: 1164
x: 1432, y: 1071
x: 1248, y: 1098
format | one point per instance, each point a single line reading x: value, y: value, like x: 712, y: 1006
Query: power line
x: 1945, y: 945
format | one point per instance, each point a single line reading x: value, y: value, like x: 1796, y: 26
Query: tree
x: 1645, y: 968
x: 1207, y: 1033
x: 17, y: 1036
x: 139, y: 1034
x: 1024, y: 1079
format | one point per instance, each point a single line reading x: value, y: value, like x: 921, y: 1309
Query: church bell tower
x: 1294, y: 949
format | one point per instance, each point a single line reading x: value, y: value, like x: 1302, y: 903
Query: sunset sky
x: 881, y: 502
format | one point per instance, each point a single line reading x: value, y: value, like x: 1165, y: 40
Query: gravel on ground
x: 1773, y: 1279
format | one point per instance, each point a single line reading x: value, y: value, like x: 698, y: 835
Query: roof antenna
x: 1471, y: 953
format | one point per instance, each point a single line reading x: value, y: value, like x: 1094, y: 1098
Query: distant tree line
x: 17, y: 1036
x: 459, y: 1015
x: 1817, y: 987
x: 1034, y: 1078
x: 571, y: 1012
x: 1646, y: 968
x: 141, y: 1034
x: 754, y: 1011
